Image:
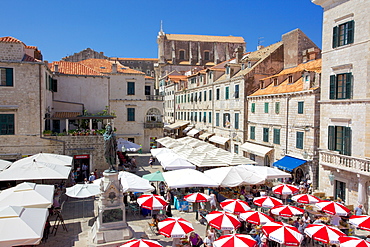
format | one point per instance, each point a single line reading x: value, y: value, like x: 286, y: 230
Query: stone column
x: 67, y: 125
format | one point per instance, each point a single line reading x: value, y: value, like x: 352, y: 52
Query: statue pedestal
x: 110, y: 225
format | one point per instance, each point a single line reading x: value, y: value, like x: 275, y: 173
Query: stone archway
x: 153, y: 115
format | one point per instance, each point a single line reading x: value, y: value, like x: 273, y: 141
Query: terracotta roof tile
x: 10, y: 40
x: 205, y: 38
x: 177, y: 78
x: 28, y: 58
x: 134, y: 59
x: 73, y: 68
x: 105, y: 66
x: 65, y: 115
x: 314, y: 65
x: 31, y: 47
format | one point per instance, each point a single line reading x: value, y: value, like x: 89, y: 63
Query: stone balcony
x: 343, y: 162
x: 154, y: 97
x: 152, y: 125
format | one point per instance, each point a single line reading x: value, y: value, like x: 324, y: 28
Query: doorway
x: 81, y: 164
x: 340, y: 190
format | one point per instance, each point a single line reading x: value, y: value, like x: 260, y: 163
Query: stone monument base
x: 109, y: 237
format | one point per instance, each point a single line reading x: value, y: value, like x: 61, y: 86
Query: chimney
x: 114, y: 68
x: 238, y: 54
x: 56, y: 68
x: 259, y: 47
x: 311, y: 54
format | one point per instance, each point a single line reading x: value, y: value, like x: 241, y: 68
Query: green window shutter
x: 130, y: 114
x: 351, y: 31
x: 333, y: 85
x: 210, y: 95
x: 276, y: 136
x: 130, y: 88
x: 335, y: 36
x: 266, y: 107
x: 253, y: 133
x: 204, y: 117
x: 6, y: 124
x: 236, y: 125
x: 265, y: 134
x: 227, y: 93
x: 299, y: 140
x: 347, y: 141
x: 236, y: 94
x: 277, y: 107
x: 300, y: 107
x: 217, y: 119
x: 331, y: 138
x: 348, y: 85
x: 9, y: 76
x: 209, y: 117
x: 253, y: 108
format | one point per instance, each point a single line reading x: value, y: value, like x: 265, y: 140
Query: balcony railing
x: 154, y: 97
x: 349, y: 163
x: 153, y: 125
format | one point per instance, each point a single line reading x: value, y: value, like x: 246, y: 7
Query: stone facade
x: 347, y: 165
x: 145, y: 65
x: 83, y: 55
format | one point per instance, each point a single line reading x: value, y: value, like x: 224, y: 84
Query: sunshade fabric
x: 205, y: 136
x: 268, y: 172
x: 125, y: 145
x: 175, y: 227
x: 193, y: 132
x: 234, y: 206
x: 256, y: 149
x: 188, y: 178
x: 255, y: 217
x: 197, y: 197
x: 154, y: 177
x: 219, y: 139
x: 133, y: 183
x: 206, y: 160
x: 332, y: 208
x: 142, y: 243
x: 288, y: 163
x: 223, y: 220
x: 349, y: 241
x: 158, y: 151
x: 324, y: 233
x: 83, y: 190
x: 286, y: 210
x: 176, y: 163
x: 267, y: 201
x: 360, y: 221
x: 282, y: 233
x: 285, y: 189
x: 4, y: 164
x: 234, y: 159
x: 176, y: 125
x: 235, y: 240
x: 305, y: 198
x: 152, y: 202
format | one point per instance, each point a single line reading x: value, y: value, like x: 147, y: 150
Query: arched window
x: 153, y: 115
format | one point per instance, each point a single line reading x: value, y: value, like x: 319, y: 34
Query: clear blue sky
x: 128, y: 28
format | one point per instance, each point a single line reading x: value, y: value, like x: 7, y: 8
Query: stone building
x: 283, y: 120
x: 344, y: 103
x: 83, y: 55
x: 145, y: 65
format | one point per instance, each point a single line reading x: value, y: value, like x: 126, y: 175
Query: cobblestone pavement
x: 79, y: 217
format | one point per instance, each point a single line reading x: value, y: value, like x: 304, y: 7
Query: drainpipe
x: 40, y: 100
x: 287, y: 124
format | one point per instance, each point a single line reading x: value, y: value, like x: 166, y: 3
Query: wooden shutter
x: 227, y: 93
x: 265, y: 134
x: 331, y: 138
x: 333, y: 85
x: 335, y: 36
x: 253, y: 109
x: 351, y: 32
x: 253, y: 131
x: 277, y: 107
x: 347, y: 141
x: 266, y: 107
x: 348, y: 85
x: 236, y: 125
x: 9, y: 77
x: 299, y: 140
x: 276, y: 136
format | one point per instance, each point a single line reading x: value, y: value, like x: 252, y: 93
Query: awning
x: 205, y: 135
x: 192, y: 132
x: 219, y: 140
x: 288, y: 163
x: 256, y: 149
x: 176, y: 125
x: 187, y: 129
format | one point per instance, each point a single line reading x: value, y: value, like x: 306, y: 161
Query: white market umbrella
x: 233, y: 159
x: 206, y: 160
x: 22, y: 226
x: 124, y: 145
x: 4, y: 164
x: 33, y: 170
x: 57, y: 159
x: 133, y: 183
x: 188, y: 178
x: 234, y: 176
x: 175, y: 227
x: 268, y: 172
x: 158, y: 151
x: 83, y: 191
x: 324, y: 233
x: 218, y: 152
x: 187, y: 153
x: 167, y: 156
x: 141, y: 243
x: 28, y: 195
x: 235, y: 240
x: 181, y: 148
x: 205, y: 148
x: 152, y: 202
x: 176, y: 164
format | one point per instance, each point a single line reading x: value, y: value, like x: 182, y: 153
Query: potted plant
x: 47, y: 132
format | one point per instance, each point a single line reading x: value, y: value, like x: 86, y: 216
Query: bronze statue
x: 110, y: 148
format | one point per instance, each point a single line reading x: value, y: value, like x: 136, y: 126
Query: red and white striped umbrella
x: 234, y: 206
x: 285, y: 189
x: 324, y: 233
x: 197, y: 197
x: 267, y: 201
x: 152, y: 202
x: 235, y: 240
x: 282, y: 233
x: 141, y: 243
x: 305, y: 198
x: 223, y: 220
x: 255, y: 217
x: 353, y: 242
x: 286, y: 210
x: 332, y: 208
x: 174, y: 227
x: 360, y: 221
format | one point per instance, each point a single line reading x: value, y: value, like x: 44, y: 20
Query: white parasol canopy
x: 28, y: 195
x: 158, y: 151
x: 4, y: 164
x: 188, y: 178
x: 234, y: 176
x: 83, y: 190
x: 124, y: 145
x: 57, y: 159
x: 187, y: 153
x: 206, y: 160
x: 234, y: 159
x: 268, y: 172
x: 21, y: 226
x: 176, y: 163
x: 218, y: 152
x: 133, y: 183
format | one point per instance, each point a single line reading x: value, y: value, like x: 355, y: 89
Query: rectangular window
x: 6, y: 124
x: 341, y: 86
x: 266, y: 107
x: 200, y: 116
x: 339, y: 139
x: 210, y: 95
x: 236, y: 93
x: 196, y: 97
x: 6, y: 77
x: 189, y: 97
x: 226, y: 119
x: 276, y: 136
x: 195, y: 116
x: 206, y: 55
x: 236, y: 125
x: 253, y: 107
x: 210, y: 117
x: 226, y: 92
x: 147, y: 90
x: 266, y: 134
x: 205, y: 95
x: 299, y: 140
x: 204, y: 117
x: 300, y: 107
x: 200, y: 96
x: 181, y: 54
x: 192, y: 97
x: 343, y: 34
x: 130, y: 114
x: 252, y: 134
x: 236, y: 148
x: 217, y: 119
x: 130, y: 88
x: 217, y: 94
x: 277, y: 107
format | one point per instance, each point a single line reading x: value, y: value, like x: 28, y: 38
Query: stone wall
x: 11, y: 51
x: 83, y: 55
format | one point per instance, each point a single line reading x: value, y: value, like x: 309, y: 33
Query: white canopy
x: 83, y: 190
x: 167, y: 156
x: 21, y: 226
x: 234, y: 176
x: 234, y: 159
x: 187, y: 153
x: 57, y: 159
x: 218, y: 152
x: 133, y: 183
x: 256, y: 149
x: 188, y: 178
x: 205, y: 148
x: 4, y: 164
x: 185, y: 139
x: 193, y: 132
x: 219, y: 139
x: 268, y: 172
x: 206, y: 160
x: 28, y: 195
x: 125, y: 145
x: 163, y: 139
x: 176, y: 163
x: 181, y: 148
x: 158, y: 151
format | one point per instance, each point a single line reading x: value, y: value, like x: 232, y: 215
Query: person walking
x: 151, y: 162
x: 358, y: 210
